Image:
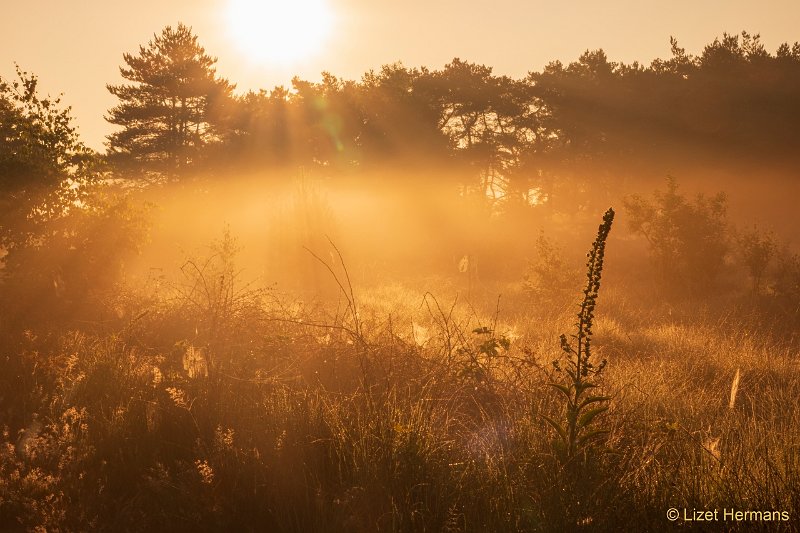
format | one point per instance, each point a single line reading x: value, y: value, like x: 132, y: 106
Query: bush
x: 72, y: 261
x: 786, y: 286
x: 688, y: 240
x: 755, y: 250
x: 549, y: 276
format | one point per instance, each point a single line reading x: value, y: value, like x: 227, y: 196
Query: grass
x: 413, y: 412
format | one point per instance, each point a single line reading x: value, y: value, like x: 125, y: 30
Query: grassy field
x: 212, y: 405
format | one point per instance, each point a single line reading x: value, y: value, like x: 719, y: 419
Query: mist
x: 425, y: 300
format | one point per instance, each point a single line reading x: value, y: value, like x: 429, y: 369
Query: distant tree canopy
x: 506, y: 138
x: 519, y: 137
x: 734, y: 97
x: 172, y: 110
x: 477, y: 123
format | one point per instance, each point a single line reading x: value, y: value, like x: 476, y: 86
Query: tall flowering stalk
x: 575, y: 431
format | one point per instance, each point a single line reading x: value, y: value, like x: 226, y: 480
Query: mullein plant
x: 578, y: 428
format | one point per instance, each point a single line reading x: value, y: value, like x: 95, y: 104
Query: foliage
x: 62, y: 231
x: 215, y: 309
x: 548, y: 276
x: 734, y: 97
x: 489, y: 121
x: 173, y: 108
x: 118, y: 430
x: 688, y: 240
x: 39, y: 145
x: 756, y: 250
x: 478, y: 356
x: 71, y: 262
x: 44, y: 167
x: 786, y: 285
x: 502, y: 137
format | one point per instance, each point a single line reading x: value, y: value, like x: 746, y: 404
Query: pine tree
x: 171, y: 110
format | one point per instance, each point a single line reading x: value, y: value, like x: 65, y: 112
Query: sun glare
x: 279, y: 32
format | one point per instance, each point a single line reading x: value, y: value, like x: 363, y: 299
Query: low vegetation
x: 399, y: 352
x: 209, y: 404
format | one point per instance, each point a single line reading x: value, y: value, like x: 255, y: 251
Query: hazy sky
x: 76, y: 47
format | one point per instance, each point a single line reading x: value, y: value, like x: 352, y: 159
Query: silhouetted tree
x: 62, y: 232
x: 610, y: 122
x: 44, y: 167
x: 387, y: 118
x: 174, y: 107
x: 261, y: 130
x: 566, y: 135
x: 401, y: 115
x: 688, y: 239
x: 38, y: 143
x: 480, y: 114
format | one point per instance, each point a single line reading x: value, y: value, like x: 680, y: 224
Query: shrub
x: 688, y: 240
x: 786, y: 287
x: 549, y: 277
x: 72, y: 261
x: 755, y: 250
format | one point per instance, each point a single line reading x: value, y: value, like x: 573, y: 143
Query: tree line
x: 501, y: 139
x: 504, y: 135
x: 176, y: 116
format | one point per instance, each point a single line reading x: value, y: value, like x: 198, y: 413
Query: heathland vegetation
x: 366, y: 305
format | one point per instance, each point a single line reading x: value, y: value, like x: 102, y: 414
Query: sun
x: 279, y: 32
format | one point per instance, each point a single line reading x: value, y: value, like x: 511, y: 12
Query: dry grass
x: 303, y: 420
